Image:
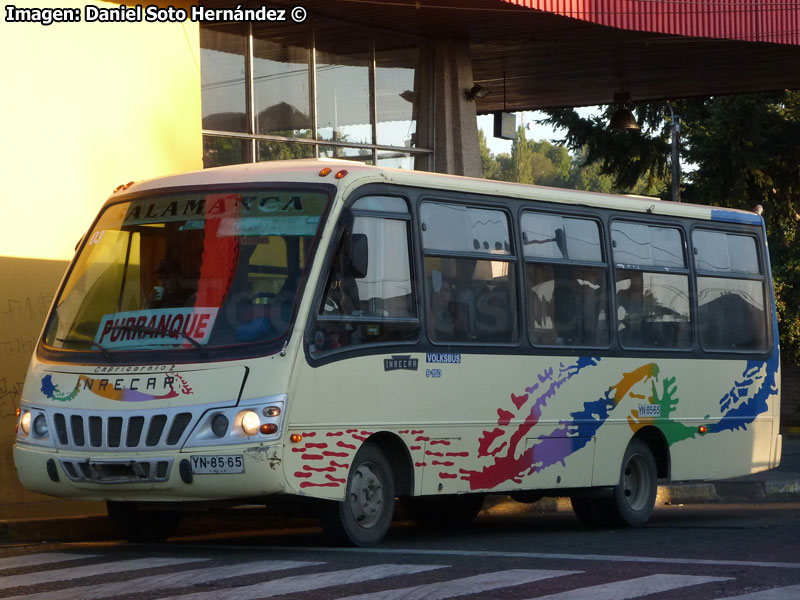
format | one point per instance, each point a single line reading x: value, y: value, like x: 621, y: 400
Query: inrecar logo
x: 396, y: 363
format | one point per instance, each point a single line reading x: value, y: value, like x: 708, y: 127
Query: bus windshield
x: 185, y: 271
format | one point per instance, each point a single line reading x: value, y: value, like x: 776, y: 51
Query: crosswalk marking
x: 633, y: 588
x: 43, y: 558
x: 782, y: 593
x: 166, y: 581
x: 180, y: 582
x: 305, y: 583
x: 90, y: 570
x: 466, y: 585
x: 539, y: 555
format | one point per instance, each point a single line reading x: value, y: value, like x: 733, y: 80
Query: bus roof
x: 309, y: 171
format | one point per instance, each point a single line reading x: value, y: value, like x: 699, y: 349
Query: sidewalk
x: 779, y: 485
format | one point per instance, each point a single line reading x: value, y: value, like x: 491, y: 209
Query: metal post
x: 676, y: 155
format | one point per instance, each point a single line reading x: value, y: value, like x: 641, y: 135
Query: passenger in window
x: 464, y: 304
x: 341, y: 297
x: 443, y: 309
x: 566, y: 317
x: 631, y: 309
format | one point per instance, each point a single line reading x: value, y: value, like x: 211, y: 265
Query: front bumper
x: 149, y: 477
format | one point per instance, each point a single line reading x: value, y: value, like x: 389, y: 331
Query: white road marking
x: 541, y: 555
x: 43, y: 558
x: 39, y: 577
x: 464, y: 586
x: 305, y: 583
x: 632, y: 588
x: 782, y: 593
x: 166, y: 581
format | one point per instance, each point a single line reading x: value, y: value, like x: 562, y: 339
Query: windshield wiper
x: 71, y: 340
x: 163, y: 332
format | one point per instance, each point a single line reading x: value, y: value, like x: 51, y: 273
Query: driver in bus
x: 171, y: 289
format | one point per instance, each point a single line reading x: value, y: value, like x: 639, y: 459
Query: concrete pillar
x: 453, y: 133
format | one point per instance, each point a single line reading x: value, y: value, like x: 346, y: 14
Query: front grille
x: 136, y: 431
x: 109, y: 471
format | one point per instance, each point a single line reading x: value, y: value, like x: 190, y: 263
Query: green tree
x: 522, y: 157
x: 491, y: 167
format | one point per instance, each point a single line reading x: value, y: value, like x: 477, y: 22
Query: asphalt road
x: 687, y: 552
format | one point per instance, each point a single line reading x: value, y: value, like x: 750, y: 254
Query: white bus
x: 352, y: 335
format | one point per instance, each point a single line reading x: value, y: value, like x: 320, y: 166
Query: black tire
x: 142, y: 526
x: 364, y: 516
x: 588, y: 510
x: 442, y: 512
x: 634, y: 498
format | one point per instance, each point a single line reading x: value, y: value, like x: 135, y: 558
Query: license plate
x: 219, y: 463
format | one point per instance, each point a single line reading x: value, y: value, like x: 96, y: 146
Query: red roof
x: 771, y: 21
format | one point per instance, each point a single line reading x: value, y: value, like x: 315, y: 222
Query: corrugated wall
x: 774, y: 21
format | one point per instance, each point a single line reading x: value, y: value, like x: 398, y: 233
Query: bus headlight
x: 219, y: 425
x: 40, y: 425
x: 25, y: 422
x: 250, y: 422
x: 253, y: 419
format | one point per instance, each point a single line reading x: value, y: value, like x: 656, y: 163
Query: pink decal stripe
x: 307, y: 484
x: 319, y: 469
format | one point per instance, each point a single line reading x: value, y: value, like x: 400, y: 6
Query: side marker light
x: 341, y: 174
x: 325, y: 172
x: 702, y: 429
x: 296, y: 438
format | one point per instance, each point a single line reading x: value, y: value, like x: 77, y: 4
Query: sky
x: 535, y: 131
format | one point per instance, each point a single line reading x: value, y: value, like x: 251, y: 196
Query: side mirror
x: 358, y: 255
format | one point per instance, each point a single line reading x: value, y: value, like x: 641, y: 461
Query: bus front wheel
x: 365, y: 514
x: 633, y: 499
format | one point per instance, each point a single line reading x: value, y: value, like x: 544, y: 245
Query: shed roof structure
x: 549, y: 53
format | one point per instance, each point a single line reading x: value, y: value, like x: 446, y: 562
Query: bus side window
x: 566, y: 281
x: 469, y: 274
x: 652, y: 286
x: 369, y: 294
x: 730, y: 289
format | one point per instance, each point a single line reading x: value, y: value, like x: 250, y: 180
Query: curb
x: 98, y: 527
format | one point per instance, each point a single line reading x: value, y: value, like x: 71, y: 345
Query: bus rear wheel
x: 365, y: 514
x: 634, y: 498
x: 142, y: 526
x: 631, y: 502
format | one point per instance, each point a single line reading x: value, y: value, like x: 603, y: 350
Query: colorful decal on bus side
x: 328, y: 462
x: 171, y: 385
x: 738, y: 408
